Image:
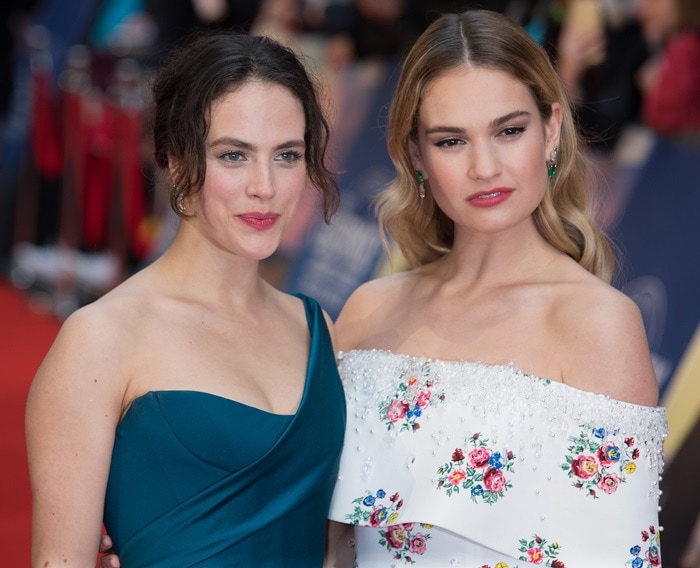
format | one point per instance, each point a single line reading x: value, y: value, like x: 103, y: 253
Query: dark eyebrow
x: 229, y: 141
x: 496, y: 122
x: 508, y: 117
x: 444, y: 130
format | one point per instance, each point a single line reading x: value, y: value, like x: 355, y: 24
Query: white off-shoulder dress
x: 456, y: 463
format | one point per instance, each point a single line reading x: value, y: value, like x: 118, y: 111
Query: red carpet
x: 25, y: 337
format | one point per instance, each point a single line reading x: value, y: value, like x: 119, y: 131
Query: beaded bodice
x: 487, y: 456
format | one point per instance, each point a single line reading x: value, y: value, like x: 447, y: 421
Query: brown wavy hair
x: 482, y: 38
x: 204, y: 68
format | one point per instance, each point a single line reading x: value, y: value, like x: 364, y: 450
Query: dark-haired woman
x: 195, y: 408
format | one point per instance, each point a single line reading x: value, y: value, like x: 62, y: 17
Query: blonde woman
x: 501, y: 397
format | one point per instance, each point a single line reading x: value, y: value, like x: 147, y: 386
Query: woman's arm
x: 340, y: 549
x: 73, y: 409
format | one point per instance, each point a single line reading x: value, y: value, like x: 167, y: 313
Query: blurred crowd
x: 80, y: 208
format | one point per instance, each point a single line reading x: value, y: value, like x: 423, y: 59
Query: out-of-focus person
x: 599, y: 50
x: 670, y: 79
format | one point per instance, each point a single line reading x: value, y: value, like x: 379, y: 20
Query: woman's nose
x: 484, y: 162
x: 261, y: 183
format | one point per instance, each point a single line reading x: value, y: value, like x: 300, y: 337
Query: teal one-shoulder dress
x: 201, y: 480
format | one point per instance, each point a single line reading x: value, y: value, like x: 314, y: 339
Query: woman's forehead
x: 474, y: 93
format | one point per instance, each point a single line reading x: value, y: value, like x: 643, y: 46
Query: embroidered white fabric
x: 458, y: 463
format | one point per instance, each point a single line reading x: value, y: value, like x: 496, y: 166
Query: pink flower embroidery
x: 402, y: 543
x: 479, y: 457
x: 609, y: 483
x: 423, y: 398
x: 535, y: 555
x: 418, y: 544
x: 538, y: 550
x: 584, y: 466
x: 396, y: 411
x: 414, y: 394
x: 396, y: 536
x: 599, y: 462
x: 457, y: 476
x: 494, y: 480
x: 482, y: 473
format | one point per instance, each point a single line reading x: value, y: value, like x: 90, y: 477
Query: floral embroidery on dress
x: 413, y: 396
x: 499, y: 565
x: 538, y: 551
x: 647, y: 555
x: 403, y: 542
x: 375, y: 509
x: 481, y: 470
x: 597, y: 464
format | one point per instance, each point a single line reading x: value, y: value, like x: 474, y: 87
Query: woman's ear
x: 172, y: 168
x: 414, y: 153
x: 552, y: 129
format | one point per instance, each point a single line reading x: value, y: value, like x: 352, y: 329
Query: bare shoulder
x: 374, y: 293
x: 605, y: 348
x: 91, y: 330
x: 94, y: 344
x: 114, y: 318
x: 368, y: 306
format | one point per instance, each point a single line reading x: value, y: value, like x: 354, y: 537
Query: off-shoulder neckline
x: 508, y: 366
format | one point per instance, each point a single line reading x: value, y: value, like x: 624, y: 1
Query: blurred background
x: 80, y: 209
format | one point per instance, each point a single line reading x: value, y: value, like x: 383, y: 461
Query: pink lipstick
x: 259, y: 221
x: 489, y: 198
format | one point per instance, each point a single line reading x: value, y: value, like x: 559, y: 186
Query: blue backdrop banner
x: 336, y: 259
x: 659, y: 234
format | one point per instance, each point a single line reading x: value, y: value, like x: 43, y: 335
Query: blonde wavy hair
x: 482, y: 38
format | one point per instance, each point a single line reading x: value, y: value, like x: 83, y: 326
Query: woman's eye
x: 512, y: 131
x: 290, y: 156
x: 449, y: 142
x: 232, y: 156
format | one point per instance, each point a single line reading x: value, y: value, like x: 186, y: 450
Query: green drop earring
x: 552, y: 163
x: 421, y: 184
